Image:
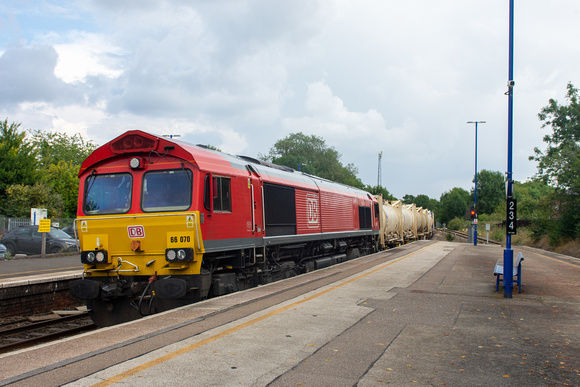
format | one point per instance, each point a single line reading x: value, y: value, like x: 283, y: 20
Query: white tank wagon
x: 411, y: 222
x: 431, y: 223
x: 391, y: 229
x: 426, y: 223
x: 401, y: 223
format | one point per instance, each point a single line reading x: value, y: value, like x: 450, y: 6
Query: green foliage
x: 533, y: 199
x: 40, y: 173
x: 21, y: 198
x: 452, y: 204
x: 498, y: 234
x: 311, y: 155
x: 490, y: 191
x: 54, y: 147
x: 423, y: 201
x: 18, y: 163
x: 457, y: 224
x: 377, y: 190
x: 63, y: 178
x: 559, y: 165
x: 408, y: 199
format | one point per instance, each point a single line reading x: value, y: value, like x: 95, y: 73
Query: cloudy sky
x: 391, y: 76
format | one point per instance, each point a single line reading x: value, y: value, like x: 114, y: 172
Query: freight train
x: 162, y: 223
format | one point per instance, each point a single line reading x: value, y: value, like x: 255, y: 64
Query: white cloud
x: 330, y: 119
x: 398, y: 77
x: 84, y: 55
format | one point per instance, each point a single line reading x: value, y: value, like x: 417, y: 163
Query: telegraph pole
x: 380, y: 174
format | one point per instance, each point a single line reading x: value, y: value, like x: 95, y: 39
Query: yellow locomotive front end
x: 139, y: 230
x: 136, y: 265
x: 163, y: 244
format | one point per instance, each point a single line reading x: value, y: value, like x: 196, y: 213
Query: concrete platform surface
x: 423, y: 314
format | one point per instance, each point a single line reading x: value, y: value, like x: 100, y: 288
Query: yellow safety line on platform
x: 553, y: 259
x: 191, y: 347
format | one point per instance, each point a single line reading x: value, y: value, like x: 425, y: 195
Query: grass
x: 524, y: 238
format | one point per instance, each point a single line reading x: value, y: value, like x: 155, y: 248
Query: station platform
x: 426, y: 313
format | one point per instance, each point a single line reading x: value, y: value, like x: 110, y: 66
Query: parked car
x: 27, y: 240
x: 70, y: 231
x: 2, y: 251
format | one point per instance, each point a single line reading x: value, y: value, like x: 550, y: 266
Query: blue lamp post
x: 475, y: 195
x: 508, y: 253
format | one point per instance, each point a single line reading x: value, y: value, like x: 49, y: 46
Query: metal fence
x: 7, y: 224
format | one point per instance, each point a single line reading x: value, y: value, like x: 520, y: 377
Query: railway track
x: 461, y: 234
x: 27, y: 335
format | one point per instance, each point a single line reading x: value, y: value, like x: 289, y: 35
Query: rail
x: 464, y: 235
x: 41, y: 332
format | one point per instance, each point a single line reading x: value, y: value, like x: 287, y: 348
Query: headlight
x: 101, y: 256
x: 180, y: 255
x: 96, y: 256
x: 136, y: 163
x: 170, y: 255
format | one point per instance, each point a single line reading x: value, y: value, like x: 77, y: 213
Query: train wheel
x: 107, y: 313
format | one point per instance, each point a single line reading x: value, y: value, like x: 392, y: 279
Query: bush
x: 498, y: 234
x: 457, y: 224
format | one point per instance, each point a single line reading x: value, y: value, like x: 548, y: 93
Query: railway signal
x: 470, y: 213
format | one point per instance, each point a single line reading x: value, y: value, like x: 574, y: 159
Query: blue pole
x: 508, y: 254
x: 475, y: 201
x: 475, y: 193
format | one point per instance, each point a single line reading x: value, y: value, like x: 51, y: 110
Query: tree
x: 21, y: 198
x: 559, y: 165
x: 310, y: 154
x: 41, y: 172
x: 378, y: 190
x: 63, y: 179
x: 18, y: 163
x: 60, y: 157
x: 453, y: 204
x: 53, y: 147
x: 533, y: 199
x: 490, y: 191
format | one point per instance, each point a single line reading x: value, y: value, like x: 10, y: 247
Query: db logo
x: 136, y: 231
x: 312, y: 211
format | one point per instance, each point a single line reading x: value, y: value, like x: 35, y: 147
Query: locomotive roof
x: 139, y: 143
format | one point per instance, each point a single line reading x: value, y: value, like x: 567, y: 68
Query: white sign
x: 36, y: 214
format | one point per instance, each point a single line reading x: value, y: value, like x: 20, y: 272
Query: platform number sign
x: 511, y: 225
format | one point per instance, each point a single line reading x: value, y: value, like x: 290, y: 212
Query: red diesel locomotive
x: 163, y: 223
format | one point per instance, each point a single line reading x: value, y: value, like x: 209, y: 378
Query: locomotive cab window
x: 107, y: 194
x: 222, y: 200
x: 168, y: 190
